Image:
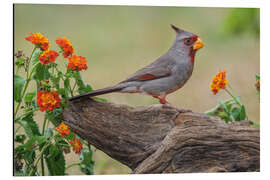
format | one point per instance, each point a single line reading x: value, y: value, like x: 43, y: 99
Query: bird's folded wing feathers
x: 149, y: 73
x: 162, y: 67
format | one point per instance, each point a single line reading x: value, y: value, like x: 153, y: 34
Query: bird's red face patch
x: 192, y: 52
x: 189, y: 41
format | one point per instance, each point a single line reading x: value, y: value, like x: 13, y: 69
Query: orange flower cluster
x: 63, y: 130
x: 77, y: 63
x: 66, y: 46
x: 219, y: 82
x: 48, y: 56
x: 76, y: 145
x: 48, y: 100
x: 39, y: 40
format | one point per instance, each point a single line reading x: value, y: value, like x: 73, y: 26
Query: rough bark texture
x: 158, y: 139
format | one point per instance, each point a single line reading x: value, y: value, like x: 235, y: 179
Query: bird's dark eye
x: 187, y: 41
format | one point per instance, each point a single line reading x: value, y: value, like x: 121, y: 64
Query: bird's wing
x: 158, y: 69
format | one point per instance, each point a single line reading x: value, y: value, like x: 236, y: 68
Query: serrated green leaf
x: 41, y: 72
x: 87, y: 163
x: 18, y: 87
x: 29, y: 97
x: 32, y: 140
x: 242, y: 115
x: 30, y: 126
x: 55, y: 160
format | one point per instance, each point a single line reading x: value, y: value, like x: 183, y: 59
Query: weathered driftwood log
x: 155, y: 139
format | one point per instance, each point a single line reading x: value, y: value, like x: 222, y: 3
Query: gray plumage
x: 165, y: 75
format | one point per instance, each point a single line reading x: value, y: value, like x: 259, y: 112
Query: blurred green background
x: 118, y: 40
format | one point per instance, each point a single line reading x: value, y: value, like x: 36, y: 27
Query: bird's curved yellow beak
x: 198, y: 44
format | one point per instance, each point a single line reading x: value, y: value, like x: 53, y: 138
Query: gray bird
x: 165, y: 75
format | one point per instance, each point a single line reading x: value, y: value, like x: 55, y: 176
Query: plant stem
x: 235, y: 99
x: 17, y: 129
x: 28, y: 78
x: 42, y: 158
x: 40, y: 155
x: 26, y: 84
x: 74, y: 86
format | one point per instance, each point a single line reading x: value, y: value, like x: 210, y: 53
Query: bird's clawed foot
x: 162, y: 100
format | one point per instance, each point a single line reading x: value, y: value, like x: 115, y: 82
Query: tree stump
x: 158, y: 139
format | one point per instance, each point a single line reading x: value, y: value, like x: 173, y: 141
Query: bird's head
x: 186, y: 42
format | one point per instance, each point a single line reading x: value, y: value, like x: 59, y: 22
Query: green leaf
x: 18, y: 86
x: 39, y: 139
x: 62, y: 144
x: 30, y: 156
x: 35, y: 57
x: 236, y: 113
x: 229, y: 107
x: 30, y: 126
x: 242, y: 115
x: 29, y: 97
x: 87, y: 164
x: 41, y: 72
x: 55, y: 160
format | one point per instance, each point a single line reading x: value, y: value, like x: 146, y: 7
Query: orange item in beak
x: 198, y: 44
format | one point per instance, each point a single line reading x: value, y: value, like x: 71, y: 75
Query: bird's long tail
x: 97, y: 92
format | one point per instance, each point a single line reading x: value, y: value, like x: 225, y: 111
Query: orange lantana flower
x: 48, y: 56
x: 66, y: 46
x: 63, y: 129
x: 219, y: 82
x: 39, y: 40
x: 48, y: 100
x: 77, y: 63
x: 76, y: 145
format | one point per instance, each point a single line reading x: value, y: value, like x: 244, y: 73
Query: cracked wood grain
x: 157, y: 139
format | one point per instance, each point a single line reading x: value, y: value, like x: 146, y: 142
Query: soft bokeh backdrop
x: 118, y: 40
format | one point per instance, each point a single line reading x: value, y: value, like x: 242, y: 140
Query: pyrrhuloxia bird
x: 165, y: 75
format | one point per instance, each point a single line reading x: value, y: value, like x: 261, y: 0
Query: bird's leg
x: 162, y: 100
